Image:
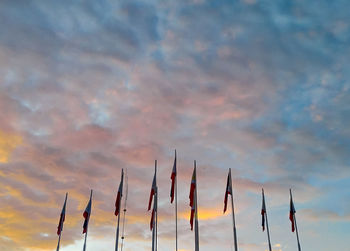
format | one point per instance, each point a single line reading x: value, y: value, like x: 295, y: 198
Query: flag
x: 62, y: 217
x: 263, y: 211
x: 193, y: 187
x: 153, y: 190
x: 152, y: 220
x: 173, y: 177
x: 292, y: 212
x: 154, y: 211
x: 191, y: 196
x: 86, y: 215
x: 119, y: 195
x: 228, y: 189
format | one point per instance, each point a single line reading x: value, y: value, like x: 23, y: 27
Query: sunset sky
x: 88, y: 87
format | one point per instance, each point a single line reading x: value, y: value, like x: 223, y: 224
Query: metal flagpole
x: 176, y: 201
x: 153, y: 231
x: 87, y: 227
x: 233, y: 214
x: 121, y: 195
x: 295, y: 222
x: 196, y: 227
x: 58, y: 244
x: 267, y: 227
x: 156, y: 209
x: 156, y: 212
x: 124, y: 211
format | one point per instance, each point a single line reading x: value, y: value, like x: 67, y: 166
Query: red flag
x: 119, y: 195
x: 153, y: 189
x: 193, y: 187
x: 263, y: 211
x: 152, y: 219
x: 87, y: 214
x: 191, y: 196
x: 292, y: 212
x: 62, y: 217
x: 173, y: 177
x: 192, y: 216
x: 228, y: 189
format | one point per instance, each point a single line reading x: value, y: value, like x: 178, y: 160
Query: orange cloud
x: 8, y: 142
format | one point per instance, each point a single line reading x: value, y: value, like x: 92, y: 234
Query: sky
x: 90, y: 87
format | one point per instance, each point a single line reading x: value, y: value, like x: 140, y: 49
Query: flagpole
x: 156, y: 211
x: 295, y: 222
x: 196, y: 227
x: 58, y: 244
x: 117, y: 234
x: 267, y: 226
x: 87, y: 227
x: 176, y: 202
x: 233, y: 214
x: 156, y: 225
x: 124, y: 211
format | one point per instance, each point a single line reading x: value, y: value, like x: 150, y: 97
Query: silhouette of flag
x: 173, y: 177
x: 263, y: 211
x: 291, y: 213
x: 193, y: 187
x: 119, y: 195
x: 228, y: 190
x: 191, y: 196
x: 62, y: 217
x: 86, y: 215
x: 153, y: 191
x: 154, y: 210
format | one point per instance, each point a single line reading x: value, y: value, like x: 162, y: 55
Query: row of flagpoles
x: 173, y: 195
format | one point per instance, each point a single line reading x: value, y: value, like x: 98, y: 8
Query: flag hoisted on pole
x: 86, y: 215
x: 154, y: 217
x: 264, y: 218
x: 227, y: 192
x: 293, y: 219
x: 194, y: 207
x: 60, y: 224
x: 173, y: 193
x: 117, y: 207
x: 124, y: 210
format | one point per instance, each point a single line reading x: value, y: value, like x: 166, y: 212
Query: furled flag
x: 292, y: 212
x: 152, y: 217
x: 87, y: 214
x: 191, y: 196
x: 173, y: 177
x: 228, y: 190
x: 153, y: 190
x: 263, y: 211
x: 62, y: 217
x: 119, y: 195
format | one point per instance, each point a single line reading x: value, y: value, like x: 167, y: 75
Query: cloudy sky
x: 89, y: 87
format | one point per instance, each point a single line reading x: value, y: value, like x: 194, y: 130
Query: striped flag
x: 62, y: 217
x: 173, y: 177
x: 228, y: 190
x: 87, y: 214
x: 263, y: 211
x: 119, y: 195
x: 291, y: 213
